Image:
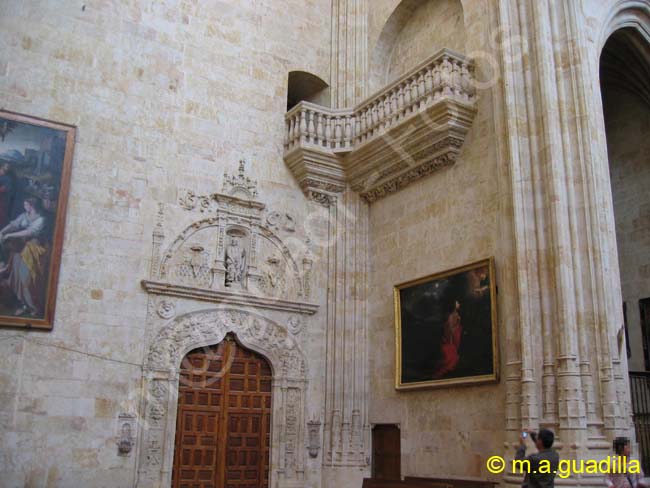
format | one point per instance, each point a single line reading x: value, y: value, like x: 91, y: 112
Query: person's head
x: 452, y: 305
x: 32, y: 204
x: 544, y: 439
x: 621, y: 446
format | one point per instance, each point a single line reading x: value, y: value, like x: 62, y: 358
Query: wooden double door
x: 223, y: 422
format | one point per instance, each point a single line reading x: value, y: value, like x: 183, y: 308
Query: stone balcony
x: 404, y: 132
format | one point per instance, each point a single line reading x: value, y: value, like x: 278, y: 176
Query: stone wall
x: 434, y: 25
x: 164, y: 94
x: 627, y: 120
x: 449, y: 219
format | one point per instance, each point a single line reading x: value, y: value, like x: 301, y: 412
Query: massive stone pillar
x: 570, y: 375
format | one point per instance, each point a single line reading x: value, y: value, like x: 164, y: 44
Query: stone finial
x: 232, y: 185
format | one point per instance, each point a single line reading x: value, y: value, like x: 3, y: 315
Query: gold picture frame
x: 35, y: 168
x: 446, y: 330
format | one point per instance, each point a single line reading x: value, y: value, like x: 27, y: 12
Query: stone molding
x: 161, y: 380
x: 401, y: 134
x: 227, y: 297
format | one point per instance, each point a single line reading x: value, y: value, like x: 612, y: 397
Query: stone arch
x: 623, y: 88
x: 382, y: 63
x: 161, y: 377
x: 625, y: 63
x: 626, y: 13
x: 304, y: 86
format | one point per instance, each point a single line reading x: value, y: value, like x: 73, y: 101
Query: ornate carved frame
x: 161, y: 380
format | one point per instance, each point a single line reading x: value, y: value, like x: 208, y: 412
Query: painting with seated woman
x: 35, y: 160
x: 446, y: 328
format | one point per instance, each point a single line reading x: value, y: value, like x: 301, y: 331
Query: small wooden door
x: 223, y: 424
x: 386, y: 452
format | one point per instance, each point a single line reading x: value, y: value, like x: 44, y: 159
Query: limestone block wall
x: 627, y: 121
x: 451, y: 218
x: 165, y: 94
x: 434, y: 25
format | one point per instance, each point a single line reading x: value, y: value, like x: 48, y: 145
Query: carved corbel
x: 313, y: 429
x: 126, y: 437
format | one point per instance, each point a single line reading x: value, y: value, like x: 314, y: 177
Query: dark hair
x: 547, y: 437
x: 450, y: 304
x: 619, y: 444
x: 35, y: 203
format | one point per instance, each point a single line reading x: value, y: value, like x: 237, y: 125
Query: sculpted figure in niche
x: 235, y: 262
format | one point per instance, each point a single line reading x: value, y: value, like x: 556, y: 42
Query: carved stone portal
x: 161, y: 378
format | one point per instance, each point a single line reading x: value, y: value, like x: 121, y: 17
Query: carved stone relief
x: 203, y: 328
x: 236, y: 246
x: 166, y: 309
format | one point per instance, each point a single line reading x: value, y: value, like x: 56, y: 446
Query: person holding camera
x: 543, y: 441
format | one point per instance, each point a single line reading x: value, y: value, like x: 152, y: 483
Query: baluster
x: 287, y: 129
x: 467, y: 82
x: 407, y: 98
x: 374, y: 119
x: 368, y: 130
x: 400, y: 102
x: 414, y: 93
x: 357, y: 129
x: 287, y: 144
x: 292, y: 130
x: 380, y: 114
x: 303, y: 126
x: 421, y: 89
x: 428, y: 83
x: 337, y: 132
x: 312, y: 126
x: 387, y: 112
x: 364, y: 125
x: 445, y: 76
x: 348, y: 132
x: 319, y: 129
x: 393, y: 107
x: 455, y: 79
x: 328, y: 131
x: 437, y: 81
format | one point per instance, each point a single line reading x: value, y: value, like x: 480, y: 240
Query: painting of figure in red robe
x: 446, y: 328
x: 35, y: 160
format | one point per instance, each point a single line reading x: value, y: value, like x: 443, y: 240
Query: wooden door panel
x: 223, y: 424
x: 386, y: 452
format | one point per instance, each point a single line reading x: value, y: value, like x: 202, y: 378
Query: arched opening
x: 223, y: 423
x: 415, y: 30
x: 625, y: 88
x: 306, y: 87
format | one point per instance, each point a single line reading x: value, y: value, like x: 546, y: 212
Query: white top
x: 34, y: 225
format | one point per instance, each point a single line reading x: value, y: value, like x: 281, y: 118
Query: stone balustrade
x: 317, y: 136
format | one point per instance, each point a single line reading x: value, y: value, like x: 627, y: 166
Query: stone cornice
x: 400, y: 134
x: 229, y: 297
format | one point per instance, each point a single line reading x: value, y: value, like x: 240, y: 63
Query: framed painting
x: 35, y: 164
x: 446, y: 328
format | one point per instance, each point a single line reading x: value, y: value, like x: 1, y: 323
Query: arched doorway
x: 625, y: 89
x: 223, y: 423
